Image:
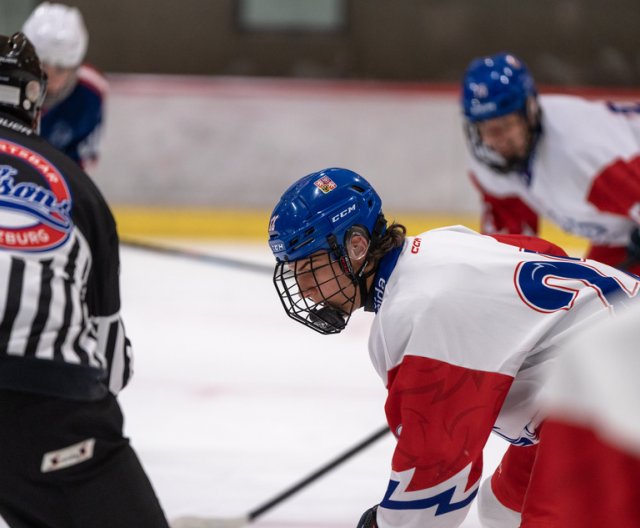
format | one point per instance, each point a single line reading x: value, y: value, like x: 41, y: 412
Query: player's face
x: 507, y: 135
x: 322, y: 281
x: 58, y: 80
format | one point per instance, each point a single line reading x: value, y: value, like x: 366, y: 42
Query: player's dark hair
x: 392, y: 238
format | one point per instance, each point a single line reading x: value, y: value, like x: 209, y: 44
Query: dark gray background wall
x: 592, y: 42
x: 218, y: 141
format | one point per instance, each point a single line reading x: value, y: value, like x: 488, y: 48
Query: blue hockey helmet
x: 495, y: 86
x: 320, y: 208
x: 316, y: 214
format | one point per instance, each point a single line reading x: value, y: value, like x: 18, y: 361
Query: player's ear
x: 357, y: 245
x: 533, y: 110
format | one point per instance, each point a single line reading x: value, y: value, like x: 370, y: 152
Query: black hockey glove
x: 368, y: 519
x: 633, y: 247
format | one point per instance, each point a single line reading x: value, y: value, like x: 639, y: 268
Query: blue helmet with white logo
x: 318, y: 210
x: 318, y: 214
x: 495, y: 86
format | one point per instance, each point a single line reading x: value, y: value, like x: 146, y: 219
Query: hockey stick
x: 197, y: 256
x: 236, y: 522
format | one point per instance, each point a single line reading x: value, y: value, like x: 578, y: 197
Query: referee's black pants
x: 66, y: 464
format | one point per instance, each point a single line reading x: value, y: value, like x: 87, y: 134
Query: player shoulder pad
x: 93, y: 79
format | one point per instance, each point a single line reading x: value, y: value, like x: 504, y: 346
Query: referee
x: 64, y: 355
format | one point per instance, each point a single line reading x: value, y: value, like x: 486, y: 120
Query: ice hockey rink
x: 231, y: 402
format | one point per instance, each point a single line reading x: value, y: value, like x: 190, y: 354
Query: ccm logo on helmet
x: 415, y: 247
x: 276, y: 247
x: 343, y: 213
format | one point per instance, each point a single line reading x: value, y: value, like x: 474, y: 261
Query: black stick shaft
x: 257, y: 512
x: 259, y: 268
x: 199, y: 257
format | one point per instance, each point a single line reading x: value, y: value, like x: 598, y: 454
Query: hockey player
x: 592, y: 432
x: 64, y: 354
x: 466, y: 328
x: 73, y: 108
x: 574, y: 161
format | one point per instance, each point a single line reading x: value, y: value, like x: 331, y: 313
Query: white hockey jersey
x: 593, y: 395
x: 465, y: 331
x: 584, y: 174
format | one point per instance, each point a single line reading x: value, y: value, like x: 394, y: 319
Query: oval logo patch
x: 35, y: 207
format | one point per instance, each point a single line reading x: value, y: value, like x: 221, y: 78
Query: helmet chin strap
x: 362, y: 282
x: 359, y: 278
x: 362, y: 275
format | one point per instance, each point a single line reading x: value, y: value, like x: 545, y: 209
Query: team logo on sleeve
x: 35, y: 208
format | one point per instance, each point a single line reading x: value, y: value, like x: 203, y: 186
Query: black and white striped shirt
x: 60, y: 329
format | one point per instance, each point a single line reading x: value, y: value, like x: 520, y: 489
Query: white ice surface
x: 232, y: 402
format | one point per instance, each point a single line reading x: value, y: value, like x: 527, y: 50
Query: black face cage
x: 532, y: 114
x: 327, y: 316
x: 487, y: 156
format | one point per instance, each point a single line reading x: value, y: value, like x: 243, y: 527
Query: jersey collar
x: 385, y: 268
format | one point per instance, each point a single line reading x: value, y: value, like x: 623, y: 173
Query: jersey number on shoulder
x: 623, y: 107
x: 549, y: 286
